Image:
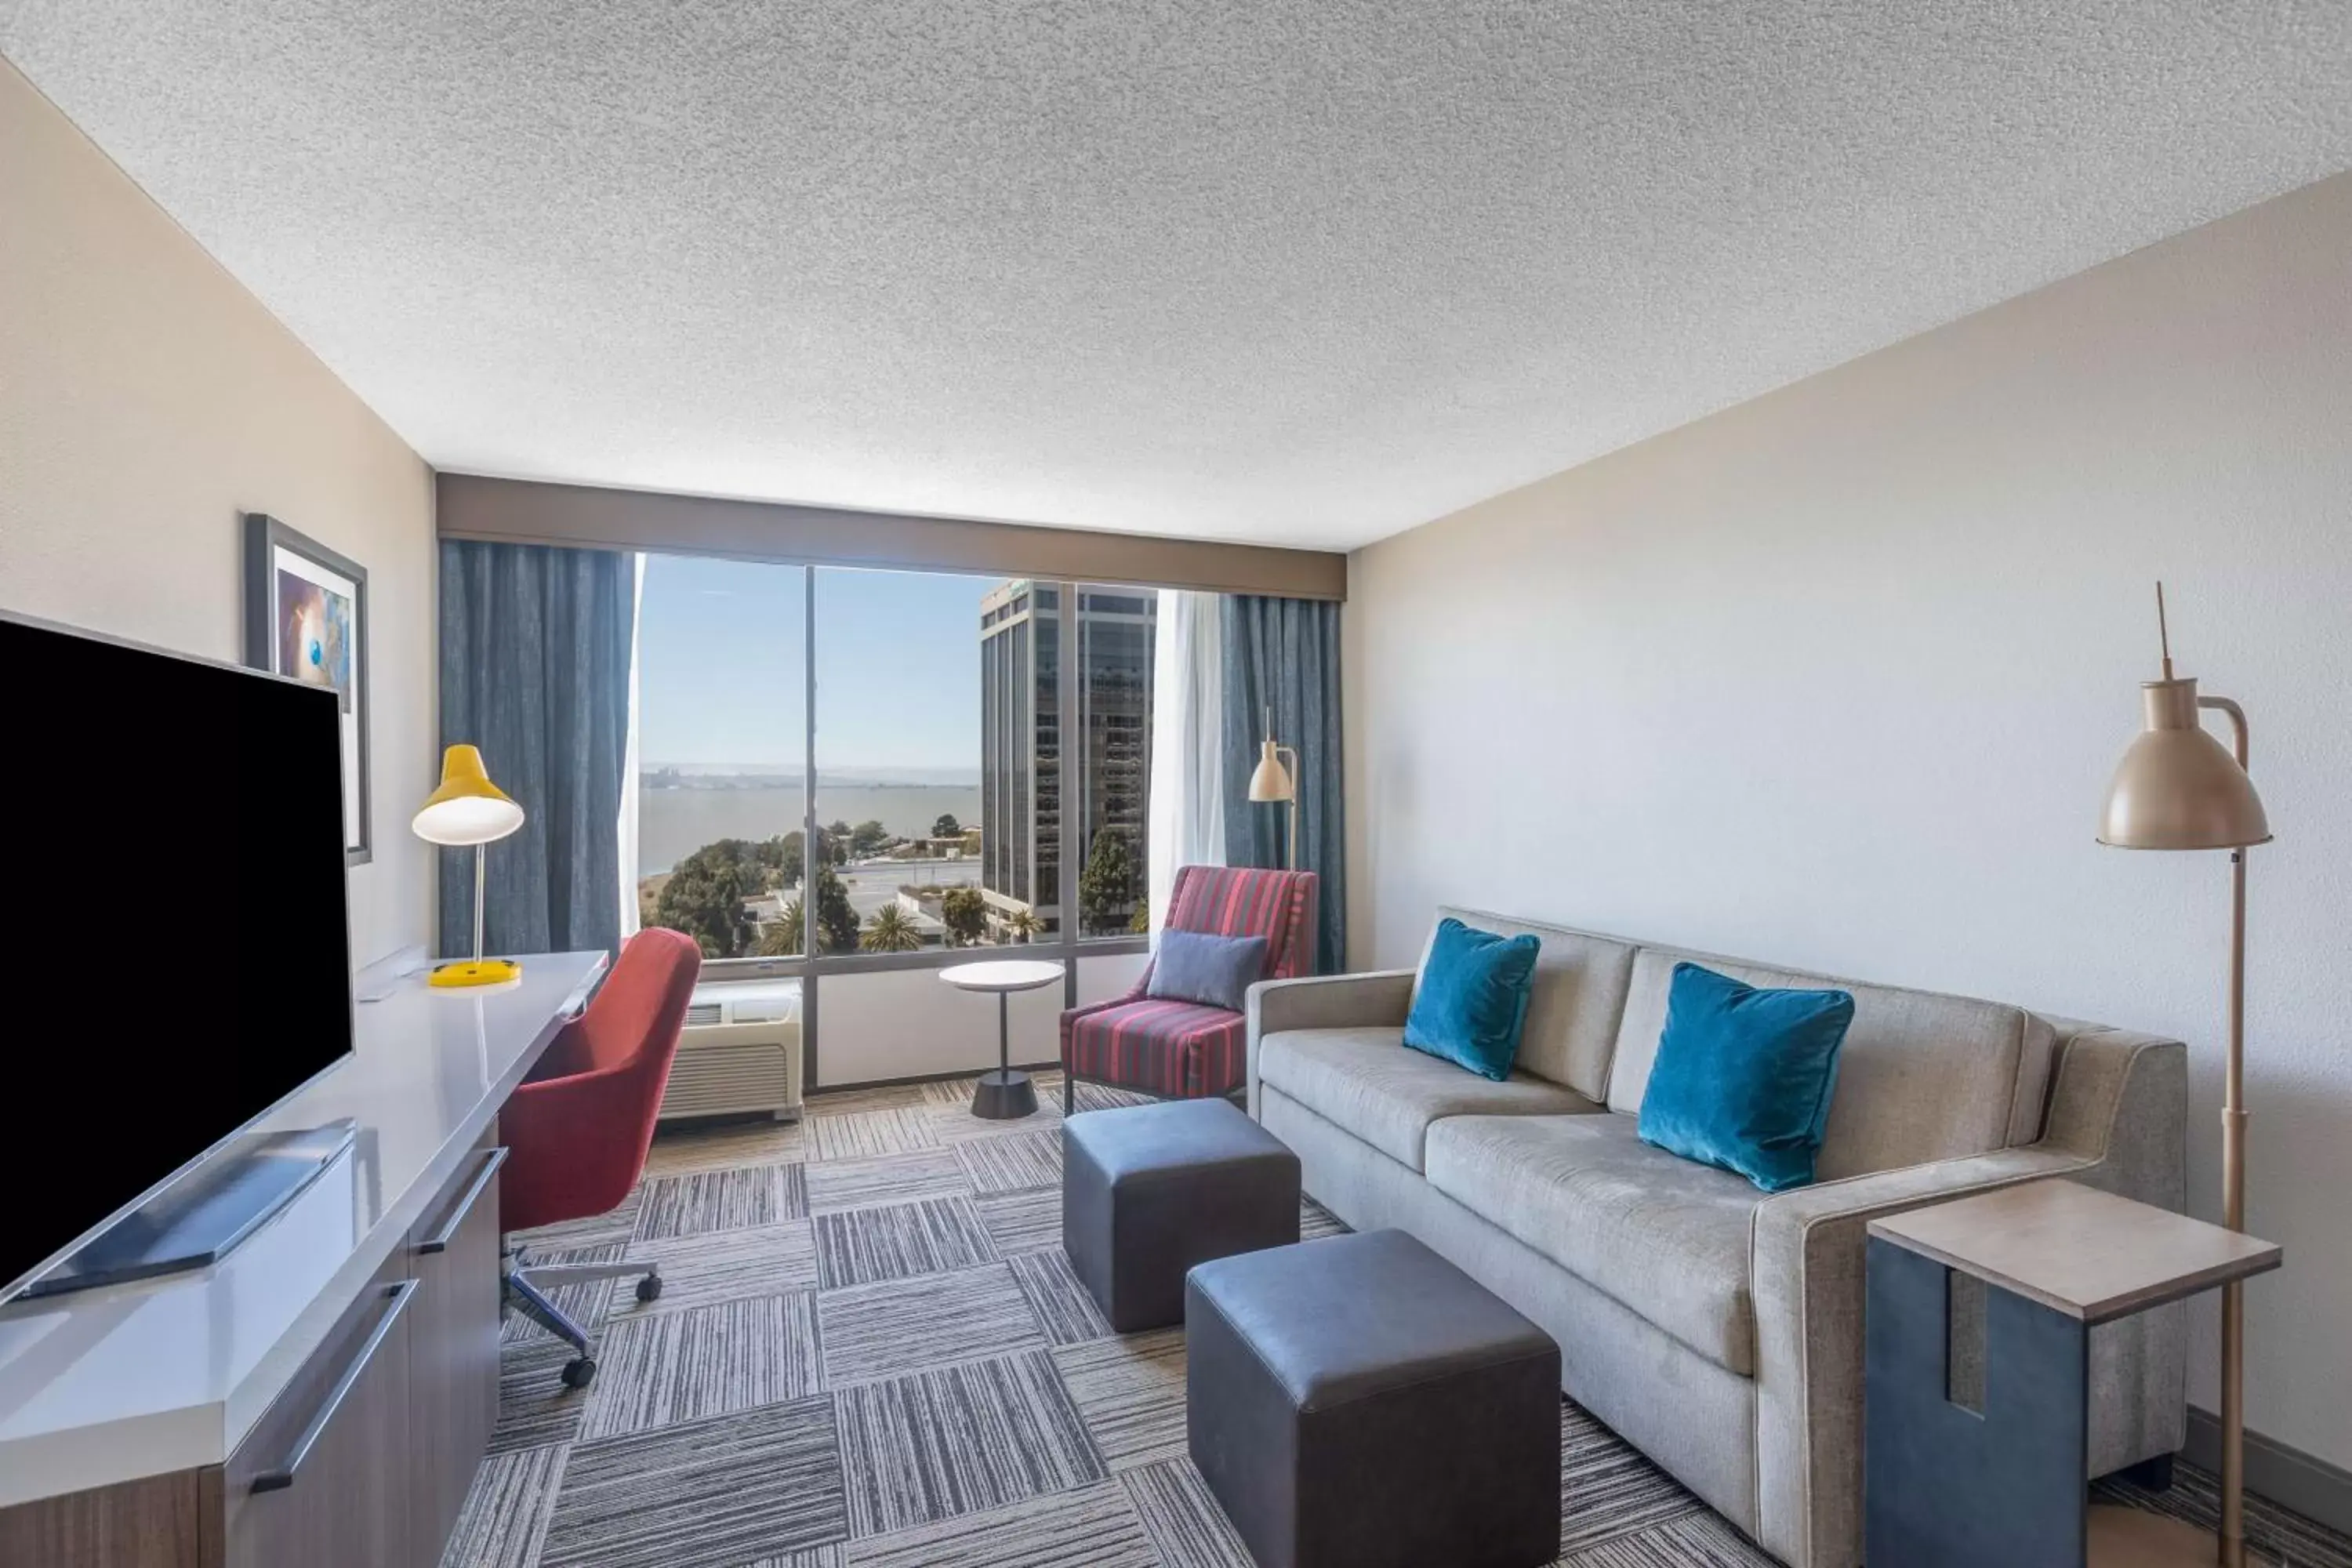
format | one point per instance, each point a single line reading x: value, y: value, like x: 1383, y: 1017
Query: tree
x: 782, y: 936
x: 1106, y: 886
x: 947, y: 826
x: 704, y: 896
x: 965, y: 914
x: 1023, y: 924
x: 891, y: 931
x: 868, y: 839
x: 836, y: 922
x: 1141, y: 924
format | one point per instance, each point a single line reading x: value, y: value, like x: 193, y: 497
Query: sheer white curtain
x: 1188, y: 788
x: 628, y: 833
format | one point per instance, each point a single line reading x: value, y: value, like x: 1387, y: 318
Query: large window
x: 981, y: 755
x: 898, y: 760
x: 722, y: 723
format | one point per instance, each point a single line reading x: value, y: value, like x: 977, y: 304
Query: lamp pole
x: 2234, y: 1188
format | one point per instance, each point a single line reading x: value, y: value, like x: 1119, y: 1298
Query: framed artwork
x: 305, y: 615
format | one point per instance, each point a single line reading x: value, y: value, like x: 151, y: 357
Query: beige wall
x: 1837, y: 678
x: 146, y: 402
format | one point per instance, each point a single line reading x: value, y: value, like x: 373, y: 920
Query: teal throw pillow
x: 1473, y: 1000
x: 1744, y: 1075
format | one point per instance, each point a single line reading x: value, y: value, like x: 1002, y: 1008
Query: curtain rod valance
x: 523, y: 511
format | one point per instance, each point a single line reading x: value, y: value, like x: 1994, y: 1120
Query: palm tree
x: 780, y: 938
x: 889, y: 931
x: 1022, y: 925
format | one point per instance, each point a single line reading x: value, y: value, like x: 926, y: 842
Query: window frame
x: 1065, y: 945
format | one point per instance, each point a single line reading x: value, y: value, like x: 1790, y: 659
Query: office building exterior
x: 1022, y: 632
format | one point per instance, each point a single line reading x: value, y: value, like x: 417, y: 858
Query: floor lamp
x: 1274, y: 782
x: 2178, y: 788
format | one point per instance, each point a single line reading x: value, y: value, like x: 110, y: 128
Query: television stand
x: 199, y: 1219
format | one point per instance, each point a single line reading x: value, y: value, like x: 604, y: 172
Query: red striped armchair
x: 1181, y: 1050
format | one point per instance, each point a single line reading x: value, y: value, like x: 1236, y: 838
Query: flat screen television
x: 181, y: 956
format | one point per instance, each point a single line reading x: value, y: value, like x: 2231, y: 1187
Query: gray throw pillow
x: 1212, y: 971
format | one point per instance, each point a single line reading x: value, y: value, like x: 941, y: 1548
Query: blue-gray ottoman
x: 1148, y: 1191
x: 1360, y: 1401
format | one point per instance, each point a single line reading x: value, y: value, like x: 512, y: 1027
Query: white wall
x: 146, y: 402
x: 1837, y: 678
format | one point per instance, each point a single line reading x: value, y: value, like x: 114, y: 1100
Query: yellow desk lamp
x: 469, y: 809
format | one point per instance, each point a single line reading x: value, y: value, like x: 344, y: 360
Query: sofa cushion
x: 1365, y: 1081
x: 1573, y: 1003
x: 1663, y: 1236
x: 1921, y: 1077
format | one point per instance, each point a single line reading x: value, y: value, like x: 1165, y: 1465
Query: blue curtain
x: 535, y: 646
x: 1285, y: 654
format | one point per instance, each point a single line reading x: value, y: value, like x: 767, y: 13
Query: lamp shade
x: 2177, y: 787
x: 1270, y: 781
x: 467, y: 808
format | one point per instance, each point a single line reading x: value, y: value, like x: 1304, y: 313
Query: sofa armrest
x: 2116, y: 1121
x: 1324, y: 1001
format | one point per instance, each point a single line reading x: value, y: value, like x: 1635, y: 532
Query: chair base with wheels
x: 526, y: 1288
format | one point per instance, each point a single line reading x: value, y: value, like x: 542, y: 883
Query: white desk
x: 164, y: 1376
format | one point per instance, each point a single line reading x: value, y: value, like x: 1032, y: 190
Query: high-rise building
x: 1021, y: 797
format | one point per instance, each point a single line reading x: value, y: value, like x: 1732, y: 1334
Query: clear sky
x: 720, y: 647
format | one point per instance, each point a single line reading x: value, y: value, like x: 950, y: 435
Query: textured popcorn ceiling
x: 1299, y: 271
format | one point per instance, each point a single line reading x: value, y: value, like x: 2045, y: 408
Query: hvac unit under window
x: 740, y: 1052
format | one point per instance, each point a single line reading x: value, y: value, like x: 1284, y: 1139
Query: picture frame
x: 305, y: 615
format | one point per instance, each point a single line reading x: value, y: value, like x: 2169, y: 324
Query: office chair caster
x: 580, y: 1373
x: 649, y: 1288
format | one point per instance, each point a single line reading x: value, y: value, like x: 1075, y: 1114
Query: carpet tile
x: 1065, y: 1309
x: 1607, y: 1490
x: 1694, y: 1541
x: 957, y: 1124
x: 895, y: 1241
x: 723, y: 1147
x: 1009, y: 1163
x: 595, y: 1230
x: 1093, y: 1527
x: 1183, y: 1518
x: 505, y: 1522
x: 716, y: 1493
x: 1315, y: 1220
x: 722, y: 1200
x: 960, y: 1439
x: 534, y: 1407
x: 885, y: 1179
x: 1130, y: 1389
x: 721, y: 1266
x: 705, y: 1360
x: 866, y: 1134
x: 883, y: 1331
x: 1023, y: 1221
x: 913, y: 1376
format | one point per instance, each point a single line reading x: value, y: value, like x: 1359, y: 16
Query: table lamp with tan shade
x: 2177, y: 787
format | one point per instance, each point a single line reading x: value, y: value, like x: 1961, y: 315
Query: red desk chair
x: 577, y: 1129
x: 1181, y: 1050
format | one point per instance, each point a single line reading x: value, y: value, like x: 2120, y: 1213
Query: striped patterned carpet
x: 871, y: 1353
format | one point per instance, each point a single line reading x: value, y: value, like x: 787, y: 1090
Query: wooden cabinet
x: 362, y: 1461
x: 453, y: 1346
x: 323, y: 1475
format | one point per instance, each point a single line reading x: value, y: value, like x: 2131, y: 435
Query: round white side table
x: 1003, y: 1094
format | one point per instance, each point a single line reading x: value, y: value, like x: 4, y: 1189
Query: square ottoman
x: 1360, y: 1401
x: 1148, y: 1191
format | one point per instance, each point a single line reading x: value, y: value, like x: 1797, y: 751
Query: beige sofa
x: 1717, y: 1328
